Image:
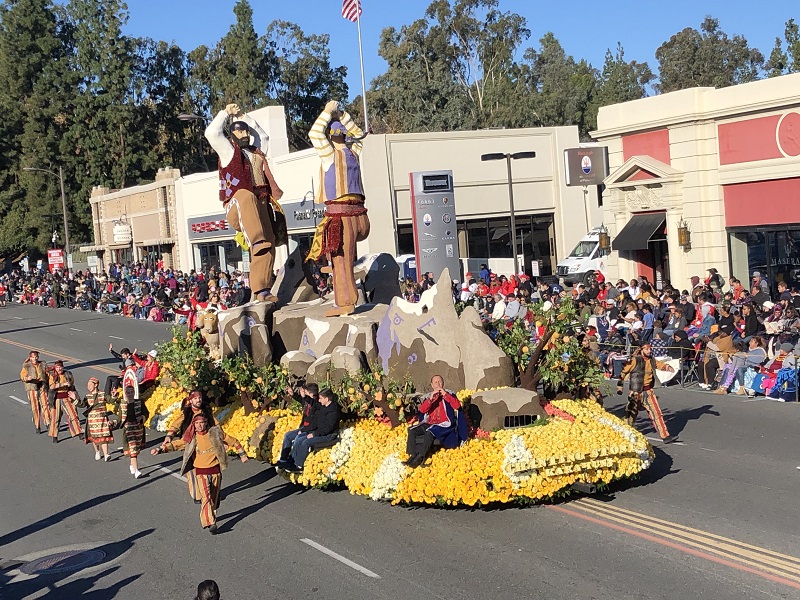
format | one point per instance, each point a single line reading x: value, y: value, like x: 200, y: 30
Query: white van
x: 584, y: 262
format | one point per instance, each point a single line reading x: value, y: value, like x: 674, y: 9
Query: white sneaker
x: 97, y: 455
x: 137, y: 474
x: 132, y: 469
x: 106, y: 458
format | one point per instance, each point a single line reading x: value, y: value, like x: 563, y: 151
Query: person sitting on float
x: 440, y: 418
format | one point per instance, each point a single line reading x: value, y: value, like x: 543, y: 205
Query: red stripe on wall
x: 747, y: 141
x: 652, y: 143
x: 773, y: 202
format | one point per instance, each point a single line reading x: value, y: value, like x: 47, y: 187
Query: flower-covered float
x: 578, y: 442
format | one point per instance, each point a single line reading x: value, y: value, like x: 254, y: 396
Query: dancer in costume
x: 34, y: 378
x: 131, y: 417
x: 204, y: 448
x: 193, y: 405
x: 60, y: 395
x: 249, y: 193
x: 97, y: 428
x: 641, y: 373
x: 342, y: 190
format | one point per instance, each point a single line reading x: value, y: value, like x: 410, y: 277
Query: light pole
x: 60, y: 176
x: 508, y: 158
x: 188, y: 118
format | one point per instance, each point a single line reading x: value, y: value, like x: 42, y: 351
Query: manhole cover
x: 62, y: 562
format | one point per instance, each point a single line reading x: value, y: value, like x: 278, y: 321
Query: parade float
x: 536, y: 427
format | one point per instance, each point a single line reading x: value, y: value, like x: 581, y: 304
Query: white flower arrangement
x: 637, y: 441
x: 340, y: 453
x: 387, y: 477
x: 160, y: 420
x: 519, y: 463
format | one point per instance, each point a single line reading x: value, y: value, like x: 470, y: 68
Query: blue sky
x: 585, y: 29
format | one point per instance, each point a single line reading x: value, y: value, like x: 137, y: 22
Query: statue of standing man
x: 337, y: 142
x: 249, y: 194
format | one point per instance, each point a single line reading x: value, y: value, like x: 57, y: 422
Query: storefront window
x: 784, y: 257
x: 774, y: 253
x: 477, y: 239
x: 500, y: 238
x: 405, y: 239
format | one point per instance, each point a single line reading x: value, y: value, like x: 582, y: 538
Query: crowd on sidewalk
x: 136, y: 291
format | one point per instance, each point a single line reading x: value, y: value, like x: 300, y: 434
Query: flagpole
x: 363, y: 80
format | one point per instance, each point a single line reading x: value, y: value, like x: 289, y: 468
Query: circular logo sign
x: 427, y: 220
x: 586, y: 165
x: 789, y: 134
x: 446, y: 218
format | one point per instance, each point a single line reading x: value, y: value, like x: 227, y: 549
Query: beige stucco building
x: 724, y: 162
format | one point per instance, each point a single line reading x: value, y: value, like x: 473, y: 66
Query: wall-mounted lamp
x: 604, y: 239
x: 684, y: 235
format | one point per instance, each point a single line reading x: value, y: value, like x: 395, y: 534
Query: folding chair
x: 690, y: 368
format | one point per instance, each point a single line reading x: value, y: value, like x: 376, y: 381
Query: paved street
x: 715, y: 517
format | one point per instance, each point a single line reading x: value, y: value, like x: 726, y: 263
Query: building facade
x: 138, y: 223
x: 721, y: 165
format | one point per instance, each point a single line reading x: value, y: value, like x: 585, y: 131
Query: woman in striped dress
x: 98, y: 428
x: 131, y: 416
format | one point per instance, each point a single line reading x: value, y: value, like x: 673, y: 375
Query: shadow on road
x: 245, y: 484
x: 42, y: 524
x: 50, y: 583
x: 273, y: 495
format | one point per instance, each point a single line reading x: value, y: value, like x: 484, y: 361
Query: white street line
x: 707, y: 449
x: 113, y: 337
x: 43, y: 323
x: 73, y: 329
x: 340, y: 558
x: 652, y: 439
x: 173, y: 473
x: 18, y: 400
x: 20, y: 318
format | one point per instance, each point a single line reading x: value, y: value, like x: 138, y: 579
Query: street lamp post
x: 508, y: 157
x: 188, y: 118
x: 60, y: 176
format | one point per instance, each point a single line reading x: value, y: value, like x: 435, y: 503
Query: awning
x: 92, y: 248
x: 638, y: 231
x: 156, y: 242
x: 118, y: 246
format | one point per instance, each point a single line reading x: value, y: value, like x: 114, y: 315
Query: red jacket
x: 151, y: 370
x: 434, y: 410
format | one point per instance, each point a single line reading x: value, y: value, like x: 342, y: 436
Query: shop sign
x: 434, y: 216
x: 122, y: 233
x: 55, y: 259
x: 302, y: 214
x: 586, y: 166
x: 210, y: 226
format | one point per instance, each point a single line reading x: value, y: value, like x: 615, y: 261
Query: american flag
x: 351, y: 9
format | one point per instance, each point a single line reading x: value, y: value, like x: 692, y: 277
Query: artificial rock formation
x: 507, y: 407
x: 245, y: 330
x: 294, y: 282
x: 427, y: 338
x: 297, y: 363
x: 380, y: 275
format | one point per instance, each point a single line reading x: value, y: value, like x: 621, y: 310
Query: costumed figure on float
x: 249, y: 194
x: 336, y: 139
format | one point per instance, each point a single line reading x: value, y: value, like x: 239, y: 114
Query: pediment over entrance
x: 639, y: 170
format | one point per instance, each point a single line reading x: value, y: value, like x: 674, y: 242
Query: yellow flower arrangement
x: 523, y: 464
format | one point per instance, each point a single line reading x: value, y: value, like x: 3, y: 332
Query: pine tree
x: 34, y: 94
